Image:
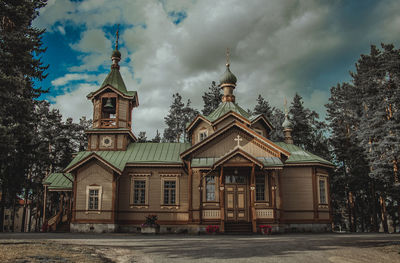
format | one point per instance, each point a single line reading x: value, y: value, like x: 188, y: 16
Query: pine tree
x: 177, y: 119
x: 211, y: 99
x: 20, y: 51
x: 308, y: 131
x: 157, y: 138
x: 142, y: 137
x: 263, y: 107
x: 277, y: 118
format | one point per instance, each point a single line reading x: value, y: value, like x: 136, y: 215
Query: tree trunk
x: 384, y: 214
x: 2, y: 206
x: 24, y: 211
x: 349, y: 212
x: 13, y: 215
x: 375, y: 227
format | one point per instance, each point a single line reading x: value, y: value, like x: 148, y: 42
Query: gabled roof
x: 234, y: 153
x: 300, y: 156
x: 226, y: 107
x: 261, y: 117
x: 114, y: 81
x: 136, y: 153
x: 59, y: 181
x: 242, y: 127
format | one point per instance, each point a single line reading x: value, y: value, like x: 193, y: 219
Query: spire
x: 116, y: 55
x: 287, y: 126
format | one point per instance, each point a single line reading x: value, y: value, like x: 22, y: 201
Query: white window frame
x: 139, y: 177
x: 100, y: 196
x: 202, y: 131
x: 325, y: 179
x: 170, y: 177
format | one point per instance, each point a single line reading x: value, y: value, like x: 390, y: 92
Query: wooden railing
x: 54, y: 221
x: 108, y: 123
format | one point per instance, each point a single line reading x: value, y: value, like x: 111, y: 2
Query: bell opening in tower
x: 108, y: 113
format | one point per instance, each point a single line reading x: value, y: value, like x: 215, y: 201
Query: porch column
x: 190, y: 191
x: 201, y: 199
x: 44, y: 203
x: 222, y: 198
x: 252, y: 199
x: 274, y: 194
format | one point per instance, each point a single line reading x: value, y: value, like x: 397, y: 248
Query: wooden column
x: 201, y: 199
x: 222, y: 199
x: 315, y: 193
x: 281, y: 213
x: 190, y: 191
x: 252, y: 199
x: 273, y: 187
x: 44, y: 204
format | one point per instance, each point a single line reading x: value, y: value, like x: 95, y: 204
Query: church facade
x: 230, y: 174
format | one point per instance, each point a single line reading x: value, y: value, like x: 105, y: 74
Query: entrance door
x: 235, y: 198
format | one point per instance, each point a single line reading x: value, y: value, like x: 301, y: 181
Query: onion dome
x: 116, y: 53
x: 228, y: 77
x: 286, y: 123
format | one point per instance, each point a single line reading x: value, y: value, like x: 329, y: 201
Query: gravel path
x: 336, y: 248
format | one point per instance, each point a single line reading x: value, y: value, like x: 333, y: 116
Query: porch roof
x: 209, y: 162
x: 59, y: 181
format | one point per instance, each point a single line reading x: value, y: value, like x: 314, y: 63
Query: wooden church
x: 230, y: 174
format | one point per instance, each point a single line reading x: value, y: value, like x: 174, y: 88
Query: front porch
x: 239, y: 192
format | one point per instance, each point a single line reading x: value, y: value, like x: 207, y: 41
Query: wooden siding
x: 129, y: 212
x: 93, y: 141
x: 120, y: 141
x: 226, y: 143
x: 297, y: 189
x: 225, y: 122
x: 94, y: 173
x: 260, y: 127
x: 201, y: 126
x: 123, y: 109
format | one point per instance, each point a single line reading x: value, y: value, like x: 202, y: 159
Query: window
x: 322, y: 191
x: 169, y: 192
x: 139, y: 192
x: 260, y: 188
x: 210, y: 188
x: 93, y: 197
x: 202, y: 134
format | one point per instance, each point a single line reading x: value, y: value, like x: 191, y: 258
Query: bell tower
x: 112, y: 111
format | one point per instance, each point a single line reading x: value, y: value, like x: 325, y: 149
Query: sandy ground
x: 335, y: 248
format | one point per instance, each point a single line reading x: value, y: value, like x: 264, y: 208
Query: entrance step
x: 238, y: 228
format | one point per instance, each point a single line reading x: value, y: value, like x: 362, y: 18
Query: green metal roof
x: 115, y: 80
x: 270, y: 161
x: 299, y: 155
x: 139, y: 153
x: 59, y: 181
x: 228, y: 77
x: 226, y: 107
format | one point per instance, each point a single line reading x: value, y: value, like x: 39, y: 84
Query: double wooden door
x: 236, y: 202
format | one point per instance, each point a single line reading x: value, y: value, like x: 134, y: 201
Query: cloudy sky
x: 277, y: 48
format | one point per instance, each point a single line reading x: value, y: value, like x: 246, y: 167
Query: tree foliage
x: 179, y: 116
x: 20, y: 51
x: 211, y: 99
